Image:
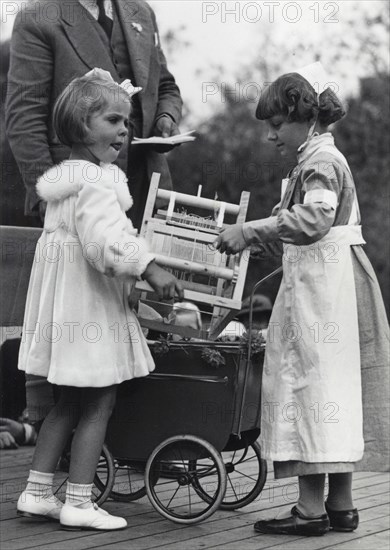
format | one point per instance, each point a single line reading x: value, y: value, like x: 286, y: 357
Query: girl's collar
x: 315, y: 142
x: 66, y: 179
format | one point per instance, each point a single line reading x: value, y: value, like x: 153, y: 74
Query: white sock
x: 78, y: 494
x: 40, y: 484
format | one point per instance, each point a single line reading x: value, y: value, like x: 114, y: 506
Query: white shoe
x: 74, y: 518
x: 39, y: 507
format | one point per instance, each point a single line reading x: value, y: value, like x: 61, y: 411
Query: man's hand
x: 13, y: 428
x: 165, y: 127
x: 231, y: 240
x: 7, y: 441
x: 163, y: 282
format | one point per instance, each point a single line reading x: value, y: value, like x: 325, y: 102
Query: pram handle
x: 192, y: 377
x: 255, y: 287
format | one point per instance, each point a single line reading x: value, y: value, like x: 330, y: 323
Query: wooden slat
x: 199, y: 202
x: 230, y: 530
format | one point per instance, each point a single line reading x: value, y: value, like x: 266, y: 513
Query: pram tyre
x: 242, y: 487
x: 174, y: 496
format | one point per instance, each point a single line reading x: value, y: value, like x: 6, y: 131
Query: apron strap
x: 354, y: 218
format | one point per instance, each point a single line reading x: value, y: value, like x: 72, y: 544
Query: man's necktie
x: 103, y: 19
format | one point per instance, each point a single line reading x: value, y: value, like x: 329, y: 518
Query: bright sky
x: 224, y: 37
x: 216, y: 40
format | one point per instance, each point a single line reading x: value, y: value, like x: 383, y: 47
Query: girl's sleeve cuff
x: 145, y: 260
x: 265, y: 230
x: 30, y: 435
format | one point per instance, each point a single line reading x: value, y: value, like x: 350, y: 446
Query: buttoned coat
x: 54, y: 42
x: 79, y: 329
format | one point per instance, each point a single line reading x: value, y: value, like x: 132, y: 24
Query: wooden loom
x: 183, y: 244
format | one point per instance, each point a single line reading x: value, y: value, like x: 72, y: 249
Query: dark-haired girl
x: 328, y: 336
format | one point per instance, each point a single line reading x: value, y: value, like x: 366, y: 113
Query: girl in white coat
x: 328, y: 323
x: 79, y: 331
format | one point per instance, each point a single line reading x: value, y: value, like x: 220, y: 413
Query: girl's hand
x: 164, y: 283
x: 231, y: 240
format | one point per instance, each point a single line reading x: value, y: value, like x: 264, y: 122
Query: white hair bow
x: 126, y: 85
x: 129, y: 88
x: 316, y: 76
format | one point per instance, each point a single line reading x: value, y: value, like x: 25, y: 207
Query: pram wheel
x: 129, y: 483
x: 173, y: 470
x: 102, y: 483
x: 246, y: 475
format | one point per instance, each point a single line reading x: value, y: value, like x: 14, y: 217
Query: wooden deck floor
x: 224, y: 530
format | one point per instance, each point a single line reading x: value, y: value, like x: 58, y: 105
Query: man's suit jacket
x: 52, y: 43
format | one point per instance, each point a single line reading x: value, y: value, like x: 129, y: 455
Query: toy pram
x: 194, y: 421
x: 186, y: 435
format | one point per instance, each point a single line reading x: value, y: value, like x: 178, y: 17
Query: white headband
x: 316, y: 76
x: 126, y: 85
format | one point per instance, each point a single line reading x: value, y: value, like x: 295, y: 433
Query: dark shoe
x: 343, y: 520
x: 296, y: 524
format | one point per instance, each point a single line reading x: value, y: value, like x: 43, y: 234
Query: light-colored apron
x: 311, y: 389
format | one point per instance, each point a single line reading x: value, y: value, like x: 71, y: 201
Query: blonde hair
x: 83, y: 97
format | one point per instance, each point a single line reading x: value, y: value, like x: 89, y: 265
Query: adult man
x: 55, y: 41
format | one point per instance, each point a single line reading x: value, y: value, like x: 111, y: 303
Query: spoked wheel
x: 102, y: 483
x: 129, y: 483
x: 246, y: 475
x: 171, y: 472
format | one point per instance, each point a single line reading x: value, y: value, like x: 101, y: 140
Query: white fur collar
x: 66, y: 179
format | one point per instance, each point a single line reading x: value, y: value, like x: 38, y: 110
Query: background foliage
x: 231, y: 153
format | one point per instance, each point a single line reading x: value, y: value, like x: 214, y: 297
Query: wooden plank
x: 148, y: 212
x: 199, y: 202
x: 230, y: 530
x: 243, y: 207
x: 194, y: 234
x: 220, y: 321
x: 248, y: 539
x: 192, y: 296
x: 332, y: 539
x: 195, y: 536
x: 378, y: 541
